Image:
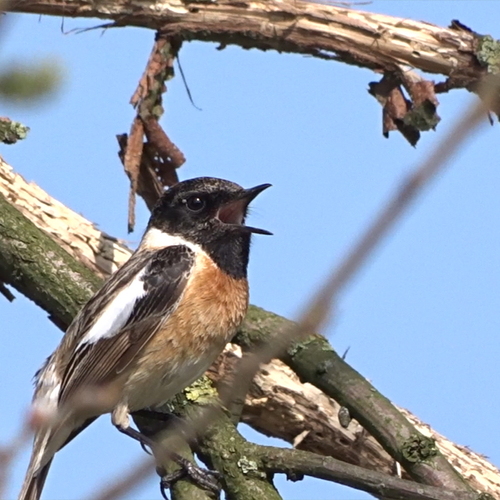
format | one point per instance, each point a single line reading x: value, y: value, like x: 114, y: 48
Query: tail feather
x: 38, y: 468
x: 47, y: 442
x: 33, y: 484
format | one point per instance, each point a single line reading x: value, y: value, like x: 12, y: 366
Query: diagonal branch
x: 258, y: 462
x: 247, y: 467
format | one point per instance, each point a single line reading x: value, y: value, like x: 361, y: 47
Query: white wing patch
x: 116, y: 314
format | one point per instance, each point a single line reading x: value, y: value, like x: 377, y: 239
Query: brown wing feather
x: 166, y: 274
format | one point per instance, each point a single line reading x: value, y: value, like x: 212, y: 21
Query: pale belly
x: 154, y: 387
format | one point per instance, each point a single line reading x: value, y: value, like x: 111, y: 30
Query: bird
x: 155, y: 326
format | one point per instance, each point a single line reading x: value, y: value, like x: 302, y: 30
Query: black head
x: 211, y: 213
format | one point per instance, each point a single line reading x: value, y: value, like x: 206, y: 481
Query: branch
x: 151, y: 165
x: 97, y: 251
x: 295, y: 464
x: 247, y: 467
x: 388, y: 45
x: 276, y: 395
x: 222, y: 447
x: 11, y: 131
x: 365, y: 39
x: 57, y: 283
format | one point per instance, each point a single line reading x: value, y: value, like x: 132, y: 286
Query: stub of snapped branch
x: 12, y: 131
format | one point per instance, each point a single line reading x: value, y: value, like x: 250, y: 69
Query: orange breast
x: 213, y: 306
x: 211, y: 309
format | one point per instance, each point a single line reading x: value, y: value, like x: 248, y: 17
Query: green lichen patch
x: 315, y: 341
x: 423, y: 117
x: 488, y: 54
x: 250, y: 467
x: 11, y: 132
x: 36, y: 266
x: 201, y: 392
x: 418, y: 448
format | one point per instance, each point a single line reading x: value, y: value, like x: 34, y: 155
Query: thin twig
x: 9, y: 453
x: 186, y: 86
x: 104, y: 27
x: 296, y: 463
x: 124, y: 484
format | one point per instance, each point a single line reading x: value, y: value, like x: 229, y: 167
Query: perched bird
x: 156, y: 325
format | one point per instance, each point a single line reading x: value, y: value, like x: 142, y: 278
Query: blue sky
x: 421, y: 319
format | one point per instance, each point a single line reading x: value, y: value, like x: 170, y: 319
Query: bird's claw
x: 145, y: 447
x: 204, y: 478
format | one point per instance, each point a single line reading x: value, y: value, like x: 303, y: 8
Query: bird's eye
x: 195, y: 203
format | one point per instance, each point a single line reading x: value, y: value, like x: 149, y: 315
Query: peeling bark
x: 375, y: 41
x: 388, y: 45
x: 151, y: 166
x: 101, y: 253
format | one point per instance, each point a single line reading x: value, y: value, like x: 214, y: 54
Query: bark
x: 58, y: 283
x: 388, y: 45
x: 417, y: 453
x: 375, y: 41
x: 96, y: 250
x: 278, y: 404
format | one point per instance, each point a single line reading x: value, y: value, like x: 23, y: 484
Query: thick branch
x: 370, y: 40
x: 247, y: 467
x: 96, y: 250
x: 315, y: 361
x: 416, y: 453
x: 58, y: 283
x: 223, y: 448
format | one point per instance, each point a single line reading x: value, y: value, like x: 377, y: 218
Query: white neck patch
x: 154, y: 239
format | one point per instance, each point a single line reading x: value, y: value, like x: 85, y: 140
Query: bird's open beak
x: 234, y: 212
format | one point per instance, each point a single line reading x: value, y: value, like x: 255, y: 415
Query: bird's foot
x: 204, y: 478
